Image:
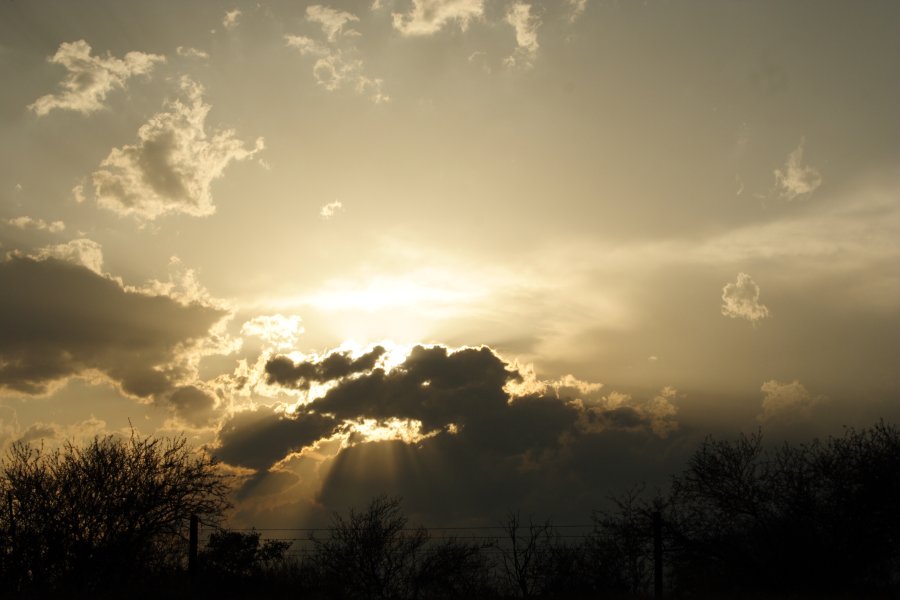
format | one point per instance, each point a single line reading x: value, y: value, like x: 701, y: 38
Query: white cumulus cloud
x: 173, y: 164
x: 740, y: 300
x: 91, y: 78
x: 427, y: 17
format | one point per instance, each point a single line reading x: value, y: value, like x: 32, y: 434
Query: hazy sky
x: 486, y: 254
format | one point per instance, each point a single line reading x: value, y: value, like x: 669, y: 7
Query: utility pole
x: 657, y: 556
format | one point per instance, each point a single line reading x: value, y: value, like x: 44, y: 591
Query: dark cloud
x: 192, y: 404
x: 432, y: 385
x: 259, y: 438
x: 59, y: 319
x: 282, y: 370
x: 480, y: 449
x: 266, y: 483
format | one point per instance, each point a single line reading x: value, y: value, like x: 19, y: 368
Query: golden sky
x: 494, y: 252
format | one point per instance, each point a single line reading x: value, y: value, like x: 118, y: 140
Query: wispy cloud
x: 427, y: 17
x: 796, y: 180
x: 336, y: 65
x: 172, y: 166
x: 576, y: 9
x: 740, y: 300
x: 526, y: 25
x: 331, y: 20
x: 189, y: 52
x: 91, y: 78
x: 25, y: 223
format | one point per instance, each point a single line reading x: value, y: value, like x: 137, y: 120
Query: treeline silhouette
x: 813, y: 520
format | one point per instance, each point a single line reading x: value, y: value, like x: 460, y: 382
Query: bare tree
x: 370, y: 554
x: 85, y: 516
x: 520, y: 553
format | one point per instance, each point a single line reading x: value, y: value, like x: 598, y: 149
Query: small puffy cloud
x: 276, y: 331
x: 96, y: 328
x: 576, y: 9
x: 172, y: 166
x: 332, y: 21
x: 790, y: 401
x: 526, y: 25
x: 82, y: 251
x: 189, y: 52
x: 231, y: 18
x: 91, y: 78
x: 330, y: 209
x: 427, y: 17
x: 27, y: 223
x: 740, y: 300
x: 796, y: 180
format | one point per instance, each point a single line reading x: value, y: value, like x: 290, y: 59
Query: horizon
x: 485, y: 255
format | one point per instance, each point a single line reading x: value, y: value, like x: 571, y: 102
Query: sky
x: 483, y: 254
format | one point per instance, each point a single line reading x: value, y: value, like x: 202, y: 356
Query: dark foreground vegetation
x: 818, y: 520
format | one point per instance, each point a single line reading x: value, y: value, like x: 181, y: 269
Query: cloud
x: 189, y: 52
x: 91, y: 78
x: 26, y: 223
x: 336, y: 66
x: 458, y: 432
x: 231, y: 18
x: 329, y: 210
x: 82, y: 251
x: 192, y: 404
x: 277, y: 331
x: 427, y: 17
x: 172, y: 166
x: 791, y: 401
x: 619, y: 410
x: 576, y: 9
x: 97, y: 328
x: 526, y: 25
x: 797, y: 180
x: 257, y: 439
x: 283, y: 371
x: 740, y: 300
x: 331, y: 20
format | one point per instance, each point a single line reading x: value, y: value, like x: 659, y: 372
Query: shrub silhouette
x: 370, y: 554
x: 821, y: 518
x: 87, y: 518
